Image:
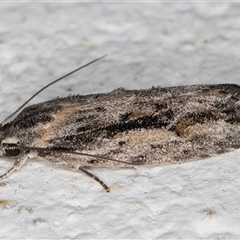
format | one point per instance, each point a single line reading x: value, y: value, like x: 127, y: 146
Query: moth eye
x: 12, y: 152
x: 11, y: 149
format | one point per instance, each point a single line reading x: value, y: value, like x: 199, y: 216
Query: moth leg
x: 106, y: 188
x: 18, y: 163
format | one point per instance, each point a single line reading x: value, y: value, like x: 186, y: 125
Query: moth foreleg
x: 106, y: 188
x: 18, y: 163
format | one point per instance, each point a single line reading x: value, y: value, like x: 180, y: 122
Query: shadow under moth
x: 125, y: 127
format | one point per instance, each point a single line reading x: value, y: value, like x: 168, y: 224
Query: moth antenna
x: 101, y: 157
x: 82, y: 154
x: 46, y: 86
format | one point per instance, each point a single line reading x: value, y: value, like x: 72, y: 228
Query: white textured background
x: 148, y: 44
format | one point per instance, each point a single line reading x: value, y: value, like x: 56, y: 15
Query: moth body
x: 154, y: 126
x: 126, y: 128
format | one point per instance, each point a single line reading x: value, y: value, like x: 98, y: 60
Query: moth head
x: 10, y: 147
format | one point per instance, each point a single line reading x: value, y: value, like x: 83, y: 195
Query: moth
x: 125, y: 127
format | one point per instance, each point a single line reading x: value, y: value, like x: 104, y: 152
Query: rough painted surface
x: 149, y: 44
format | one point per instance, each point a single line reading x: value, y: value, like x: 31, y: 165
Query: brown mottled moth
x: 125, y: 127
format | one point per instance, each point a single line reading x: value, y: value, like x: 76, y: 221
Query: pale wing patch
x: 219, y: 129
x: 145, y: 135
x: 47, y: 129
